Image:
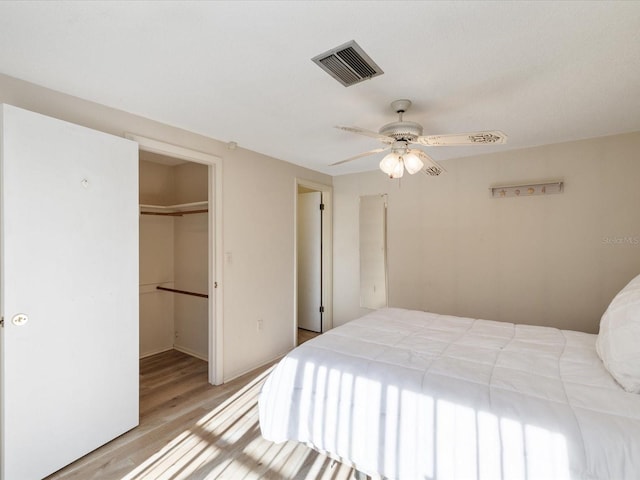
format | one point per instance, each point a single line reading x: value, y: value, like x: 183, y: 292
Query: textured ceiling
x: 542, y: 72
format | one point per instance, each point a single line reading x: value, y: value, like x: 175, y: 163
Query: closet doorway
x: 180, y: 250
x: 313, y: 291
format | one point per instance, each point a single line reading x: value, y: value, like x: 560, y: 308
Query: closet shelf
x: 174, y: 210
x: 184, y: 292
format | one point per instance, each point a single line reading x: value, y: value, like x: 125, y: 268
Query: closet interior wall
x: 173, y: 254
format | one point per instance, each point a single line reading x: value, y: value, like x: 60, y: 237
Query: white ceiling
x: 542, y: 72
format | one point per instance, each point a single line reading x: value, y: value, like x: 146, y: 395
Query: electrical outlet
x: 259, y: 325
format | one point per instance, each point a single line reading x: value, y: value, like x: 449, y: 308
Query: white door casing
x: 301, y: 185
x: 215, y: 254
x: 69, y: 261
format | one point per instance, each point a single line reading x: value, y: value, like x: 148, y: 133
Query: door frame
x: 327, y: 254
x: 216, y: 311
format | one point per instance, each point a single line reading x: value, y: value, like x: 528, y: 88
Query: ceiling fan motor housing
x: 403, y: 130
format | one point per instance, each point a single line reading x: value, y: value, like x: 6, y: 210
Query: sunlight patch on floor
x: 226, y: 443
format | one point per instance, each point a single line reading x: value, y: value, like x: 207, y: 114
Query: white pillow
x: 618, y: 342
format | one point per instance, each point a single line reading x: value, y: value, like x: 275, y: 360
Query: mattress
x: 414, y: 395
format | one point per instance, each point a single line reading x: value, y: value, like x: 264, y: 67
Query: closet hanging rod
x: 177, y: 206
x: 184, y: 292
x: 174, y: 214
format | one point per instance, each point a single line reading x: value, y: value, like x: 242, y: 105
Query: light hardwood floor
x: 304, y: 335
x: 192, y: 430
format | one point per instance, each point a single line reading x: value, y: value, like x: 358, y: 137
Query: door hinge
x: 1, y: 322
x: 321, y: 309
x: 322, y: 206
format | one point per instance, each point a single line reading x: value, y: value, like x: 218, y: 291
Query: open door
x: 309, y: 243
x: 69, y: 293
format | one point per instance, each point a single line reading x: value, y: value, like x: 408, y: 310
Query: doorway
x: 313, y: 253
x: 173, y: 253
x: 214, y: 320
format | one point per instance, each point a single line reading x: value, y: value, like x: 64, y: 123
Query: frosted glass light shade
x: 389, y: 163
x: 412, y: 163
x: 399, y: 170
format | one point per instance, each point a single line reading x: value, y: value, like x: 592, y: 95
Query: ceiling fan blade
x: 493, y: 137
x: 367, y: 133
x: 360, y: 155
x: 431, y: 167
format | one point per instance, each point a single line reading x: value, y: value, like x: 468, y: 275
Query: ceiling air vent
x: 348, y: 64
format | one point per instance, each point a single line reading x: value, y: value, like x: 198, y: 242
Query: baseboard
x: 188, y: 351
x: 244, y: 372
x: 155, y: 352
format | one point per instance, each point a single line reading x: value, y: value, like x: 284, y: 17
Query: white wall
x: 551, y: 260
x: 258, y: 226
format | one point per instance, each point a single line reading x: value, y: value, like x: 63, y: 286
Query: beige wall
x: 156, y: 268
x: 156, y: 245
x: 157, y: 182
x: 258, y: 227
x: 191, y: 261
x: 191, y: 182
x: 174, y: 254
x: 259, y: 260
x: 556, y: 260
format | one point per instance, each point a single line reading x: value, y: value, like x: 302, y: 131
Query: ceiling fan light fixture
x: 389, y: 163
x: 412, y: 163
x: 399, y: 170
x: 395, y: 163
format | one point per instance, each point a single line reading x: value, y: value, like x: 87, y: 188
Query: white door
x: 69, y: 266
x: 310, y: 261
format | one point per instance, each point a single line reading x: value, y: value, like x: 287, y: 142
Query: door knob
x: 19, y: 319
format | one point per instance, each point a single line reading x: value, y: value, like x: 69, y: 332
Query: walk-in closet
x: 174, y: 263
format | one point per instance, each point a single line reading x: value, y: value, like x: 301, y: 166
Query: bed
x: 405, y: 394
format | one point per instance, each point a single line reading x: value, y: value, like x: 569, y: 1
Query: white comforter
x: 415, y: 395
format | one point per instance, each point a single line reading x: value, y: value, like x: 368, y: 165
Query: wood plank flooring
x: 305, y: 335
x: 192, y: 430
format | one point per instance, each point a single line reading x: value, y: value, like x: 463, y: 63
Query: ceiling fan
x: 401, y: 134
